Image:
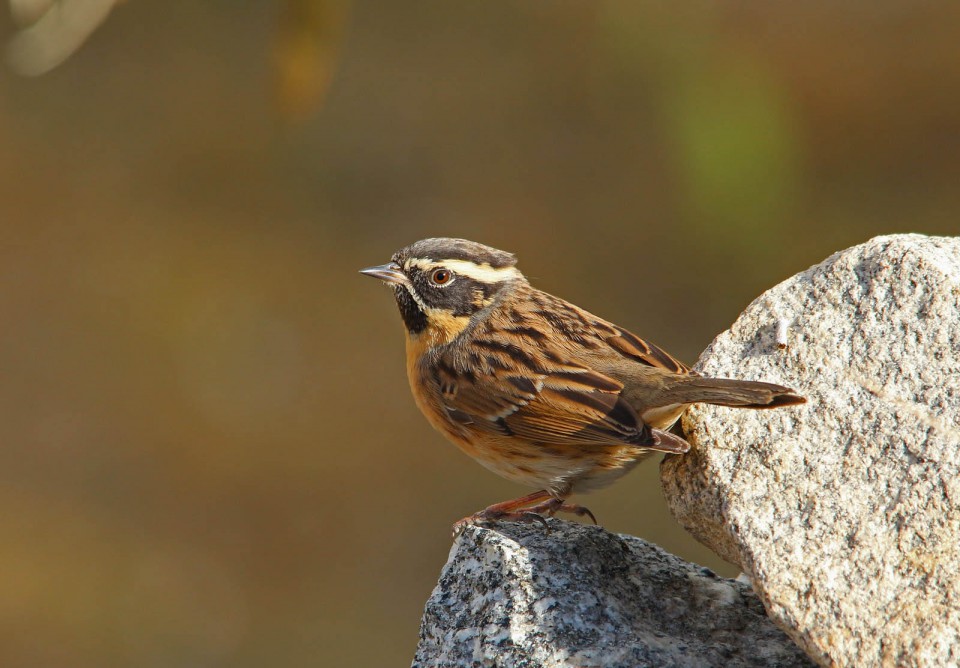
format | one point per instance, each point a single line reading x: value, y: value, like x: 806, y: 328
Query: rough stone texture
x: 581, y: 596
x: 845, y: 512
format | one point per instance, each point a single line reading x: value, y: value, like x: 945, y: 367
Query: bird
x: 534, y: 388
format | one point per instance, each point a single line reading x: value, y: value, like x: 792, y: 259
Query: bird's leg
x: 529, y: 508
x: 514, y: 509
x: 555, y: 505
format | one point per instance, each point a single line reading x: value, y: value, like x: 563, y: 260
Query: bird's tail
x: 729, y: 392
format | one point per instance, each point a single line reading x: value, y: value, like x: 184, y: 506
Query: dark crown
x: 441, y: 248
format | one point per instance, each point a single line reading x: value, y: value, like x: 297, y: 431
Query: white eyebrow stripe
x: 480, y: 272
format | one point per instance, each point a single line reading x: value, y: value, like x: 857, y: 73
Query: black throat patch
x: 414, y: 318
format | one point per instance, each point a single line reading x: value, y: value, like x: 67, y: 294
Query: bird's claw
x: 485, y: 517
x: 509, y: 511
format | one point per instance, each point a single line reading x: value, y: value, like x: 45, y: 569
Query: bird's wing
x: 632, y: 346
x: 532, y: 393
x: 570, y: 323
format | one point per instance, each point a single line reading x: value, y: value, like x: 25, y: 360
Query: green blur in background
x: 208, y: 451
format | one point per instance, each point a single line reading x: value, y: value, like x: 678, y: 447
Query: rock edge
x: 582, y: 596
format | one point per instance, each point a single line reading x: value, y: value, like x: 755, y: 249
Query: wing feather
x: 531, y: 372
x: 632, y: 346
x: 541, y: 401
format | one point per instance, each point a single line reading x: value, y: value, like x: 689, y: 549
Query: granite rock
x: 580, y: 596
x: 844, y: 512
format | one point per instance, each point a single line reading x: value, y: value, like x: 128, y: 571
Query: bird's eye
x: 441, y: 276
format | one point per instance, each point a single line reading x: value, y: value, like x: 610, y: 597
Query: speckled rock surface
x: 583, y: 597
x: 845, y: 511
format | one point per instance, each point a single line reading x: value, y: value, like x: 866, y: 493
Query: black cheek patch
x: 468, y: 296
x: 459, y: 298
x: 413, y: 317
x: 445, y: 297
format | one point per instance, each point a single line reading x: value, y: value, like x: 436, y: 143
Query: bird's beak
x: 388, y: 273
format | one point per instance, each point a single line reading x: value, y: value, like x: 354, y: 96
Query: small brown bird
x: 535, y: 388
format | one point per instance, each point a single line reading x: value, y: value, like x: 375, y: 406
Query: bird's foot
x: 553, y: 506
x: 530, y: 508
x: 484, y: 517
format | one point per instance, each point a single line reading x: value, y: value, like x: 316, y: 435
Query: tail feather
x: 730, y: 392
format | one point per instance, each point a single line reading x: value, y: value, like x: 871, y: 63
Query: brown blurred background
x: 208, y: 452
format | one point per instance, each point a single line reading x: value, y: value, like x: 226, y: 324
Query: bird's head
x: 441, y: 283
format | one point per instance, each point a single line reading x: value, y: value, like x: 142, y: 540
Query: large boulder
x: 580, y: 596
x: 844, y: 512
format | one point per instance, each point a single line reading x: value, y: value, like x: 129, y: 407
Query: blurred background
x: 208, y: 451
